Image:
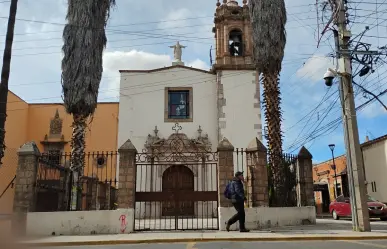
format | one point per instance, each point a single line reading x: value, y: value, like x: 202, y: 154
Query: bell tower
x: 237, y: 81
x: 233, y: 36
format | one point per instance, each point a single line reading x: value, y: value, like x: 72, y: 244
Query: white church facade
x: 164, y: 105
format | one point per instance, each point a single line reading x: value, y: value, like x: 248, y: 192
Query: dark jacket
x: 237, y: 191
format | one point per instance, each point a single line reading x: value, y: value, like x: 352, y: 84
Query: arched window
x: 235, y: 42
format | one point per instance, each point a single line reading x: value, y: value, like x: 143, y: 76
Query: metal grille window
x: 178, y: 105
x: 54, y: 157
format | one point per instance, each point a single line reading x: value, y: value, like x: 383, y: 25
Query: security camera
x: 329, y: 76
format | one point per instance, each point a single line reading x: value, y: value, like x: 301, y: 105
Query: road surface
x: 247, y: 245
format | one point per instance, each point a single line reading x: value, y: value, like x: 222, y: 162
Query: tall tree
x: 268, y: 18
x: 5, y: 71
x: 84, y: 41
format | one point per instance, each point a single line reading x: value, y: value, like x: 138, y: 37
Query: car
x: 341, y: 207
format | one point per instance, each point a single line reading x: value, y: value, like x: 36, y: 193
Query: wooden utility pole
x: 355, y: 165
x: 5, y: 71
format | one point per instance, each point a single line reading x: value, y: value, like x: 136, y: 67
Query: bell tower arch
x: 233, y: 36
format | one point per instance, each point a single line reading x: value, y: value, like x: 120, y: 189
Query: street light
x: 332, y: 147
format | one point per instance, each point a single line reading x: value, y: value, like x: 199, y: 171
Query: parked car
x: 341, y: 207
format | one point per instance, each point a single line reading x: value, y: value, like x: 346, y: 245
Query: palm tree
x: 268, y: 18
x: 5, y: 71
x: 84, y: 41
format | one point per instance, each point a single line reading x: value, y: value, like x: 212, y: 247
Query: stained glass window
x: 178, y: 104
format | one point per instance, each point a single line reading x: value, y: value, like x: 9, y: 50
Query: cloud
x: 197, y: 29
x: 314, y: 68
x: 134, y: 60
x: 374, y: 110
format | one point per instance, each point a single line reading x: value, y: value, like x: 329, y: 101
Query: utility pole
x: 355, y: 166
x: 5, y: 71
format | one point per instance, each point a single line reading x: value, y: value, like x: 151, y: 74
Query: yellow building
x: 49, y: 126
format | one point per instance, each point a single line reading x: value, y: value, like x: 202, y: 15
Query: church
x: 222, y: 102
x: 162, y: 105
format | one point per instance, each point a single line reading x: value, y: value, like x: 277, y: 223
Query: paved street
x: 337, y: 225
x: 247, y: 245
x: 338, y: 233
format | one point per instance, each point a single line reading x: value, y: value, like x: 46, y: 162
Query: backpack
x: 227, y: 191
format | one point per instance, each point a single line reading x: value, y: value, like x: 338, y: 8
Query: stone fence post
x: 225, y: 170
x: 257, y: 183
x: 127, y: 175
x: 25, y: 194
x: 305, y: 193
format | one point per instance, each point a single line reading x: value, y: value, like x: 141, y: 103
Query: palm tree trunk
x: 272, y: 108
x: 78, y: 158
x: 5, y: 71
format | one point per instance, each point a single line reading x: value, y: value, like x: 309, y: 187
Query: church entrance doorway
x: 177, y: 180
x: 176, y: 184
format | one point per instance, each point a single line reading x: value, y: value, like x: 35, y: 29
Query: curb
x: 197, y: 240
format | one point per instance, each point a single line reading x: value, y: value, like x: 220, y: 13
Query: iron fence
x: 59, y: 189
x: 288, y: 165
x: 240, y: 164
x: 242, y: 157
x: 51, y: 184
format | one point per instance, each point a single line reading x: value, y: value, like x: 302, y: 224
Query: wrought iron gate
x: 176, y: 184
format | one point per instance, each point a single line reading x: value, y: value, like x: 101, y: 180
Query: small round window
x: 101, y: 161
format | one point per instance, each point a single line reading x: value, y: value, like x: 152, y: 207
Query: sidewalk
x: 320, y: 232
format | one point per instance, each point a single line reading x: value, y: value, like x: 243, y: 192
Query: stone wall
x: 268, y: 217
x: 80, y: 223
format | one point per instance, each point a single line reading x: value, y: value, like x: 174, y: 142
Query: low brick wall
x: 80, y: 223
x: 268, y: 217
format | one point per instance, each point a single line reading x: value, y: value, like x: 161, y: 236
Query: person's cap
x: 239, y: 173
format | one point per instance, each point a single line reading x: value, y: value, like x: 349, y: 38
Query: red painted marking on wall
x: 123, y: 223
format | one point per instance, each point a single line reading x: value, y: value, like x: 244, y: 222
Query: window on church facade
x: 178, y: 104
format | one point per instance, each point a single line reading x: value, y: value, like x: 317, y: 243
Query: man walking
x: 237, y: 196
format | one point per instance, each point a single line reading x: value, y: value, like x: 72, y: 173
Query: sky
x: 140, y: 33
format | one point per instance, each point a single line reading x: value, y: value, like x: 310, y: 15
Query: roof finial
x: 156, y: 131
x: 218, y: 3
x: 56, y: 114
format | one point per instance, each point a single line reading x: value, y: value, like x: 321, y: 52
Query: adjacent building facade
x: 375, y: 162
x: 50, y: 127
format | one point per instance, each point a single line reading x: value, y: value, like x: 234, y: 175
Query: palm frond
x: 84, y: 41
x: 268, y: 18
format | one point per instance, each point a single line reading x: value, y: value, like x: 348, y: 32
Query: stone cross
x: 177, y: 128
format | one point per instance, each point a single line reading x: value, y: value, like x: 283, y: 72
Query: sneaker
x: 244, y: 230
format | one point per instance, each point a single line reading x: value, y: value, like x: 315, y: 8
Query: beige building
x: 375, y: 162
